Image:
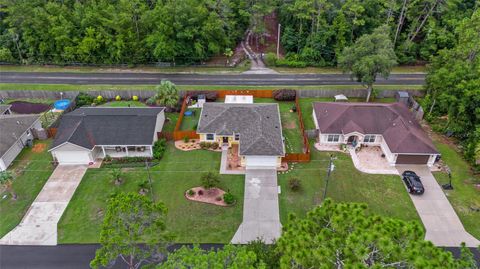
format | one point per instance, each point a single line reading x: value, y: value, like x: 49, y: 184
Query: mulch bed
x: 208, y: 196
x: 22, y: 107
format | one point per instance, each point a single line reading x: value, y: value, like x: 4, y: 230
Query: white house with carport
x: 91, y: 133
x: 391, y: 127
x: 16, y: 131
x: 255, y: 128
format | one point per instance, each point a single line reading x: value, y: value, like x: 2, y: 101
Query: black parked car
x: 413, y: 182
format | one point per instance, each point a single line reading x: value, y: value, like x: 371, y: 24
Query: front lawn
x: 124, y: 104
x: 31, y: 170
x: 384, y: 194
x: 178, y: 171
x: 191, y: 122
x: 464, y: 198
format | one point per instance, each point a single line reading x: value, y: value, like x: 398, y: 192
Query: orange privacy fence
x: 254, y: 93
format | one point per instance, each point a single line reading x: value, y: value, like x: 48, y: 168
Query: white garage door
x: 261, y: 162
x: 73, y: 157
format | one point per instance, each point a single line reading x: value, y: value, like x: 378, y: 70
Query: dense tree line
x: 453, y: 88
x: 316, y: 31
x: 119, y: 31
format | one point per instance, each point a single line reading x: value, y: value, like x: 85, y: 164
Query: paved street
x: 200, y: 79
x: 261, y: 217
x: 443, y: 226
x: 39, y: 225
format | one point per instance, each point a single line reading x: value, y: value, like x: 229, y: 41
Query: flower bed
x: 22, y: 107
x: 210, y: 196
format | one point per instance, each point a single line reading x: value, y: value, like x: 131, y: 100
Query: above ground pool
x: 61, y: 104
x: 188, y: 113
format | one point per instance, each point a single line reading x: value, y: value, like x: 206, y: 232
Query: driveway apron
x: 39, y: 225
x: 442, y: 224
x: 261, y: 217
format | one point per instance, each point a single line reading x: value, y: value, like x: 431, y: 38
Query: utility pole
x: 331, y: 167
x: 278, y: 40
x: 149, y: 180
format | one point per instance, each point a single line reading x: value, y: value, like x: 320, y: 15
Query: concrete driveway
x: 39, y: 225
x: 442, y: 224
x: 261, y: 217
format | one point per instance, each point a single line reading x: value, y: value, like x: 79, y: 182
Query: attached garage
x: 261, y: 161
x: 68, y: 153
x: 412, y: 159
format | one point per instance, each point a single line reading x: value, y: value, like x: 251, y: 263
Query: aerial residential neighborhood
x: 240, y: 134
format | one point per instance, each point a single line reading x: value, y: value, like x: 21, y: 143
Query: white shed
x: 239, y: 99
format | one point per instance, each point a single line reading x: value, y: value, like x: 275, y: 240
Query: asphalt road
x: 200, y: 79
x: 79, y: 256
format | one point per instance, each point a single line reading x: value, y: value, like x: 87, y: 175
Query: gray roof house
x: 15, y: 132
x: 91, y: 133
x: 255, y: 128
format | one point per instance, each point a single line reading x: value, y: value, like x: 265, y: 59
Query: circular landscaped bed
x: 22, y: 107
x: 211, y: 196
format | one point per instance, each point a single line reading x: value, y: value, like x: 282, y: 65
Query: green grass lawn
x: 31, y: 170
x: 464, y: 196
x: 191, y: 122
x: 402, y: 69
x: 32, y: 100
x: 176, y: 172
x: 100, y: 87
x: 169, y: 125
x: 124, y: 104
x: 290, y: 124
x: 384, y: 194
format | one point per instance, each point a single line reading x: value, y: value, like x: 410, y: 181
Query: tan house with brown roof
x: 392, y: 127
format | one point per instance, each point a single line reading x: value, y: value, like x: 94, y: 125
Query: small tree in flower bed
x: 284, y: 95
x: 228, y: 198
x: 210, y: 180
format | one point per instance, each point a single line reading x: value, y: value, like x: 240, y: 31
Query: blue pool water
x: 188, y: 113
x: 62, y: 104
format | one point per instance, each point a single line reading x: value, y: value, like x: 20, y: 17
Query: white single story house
x: 91, y: 133
x: 255, y: 128
x: 16, y: 131
x: 392, y: 127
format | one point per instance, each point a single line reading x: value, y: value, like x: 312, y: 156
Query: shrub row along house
x: 392, y: 127
x: 255, y: 128
x: 91, y: 133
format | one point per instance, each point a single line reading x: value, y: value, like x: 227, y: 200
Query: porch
x: 124, y: 151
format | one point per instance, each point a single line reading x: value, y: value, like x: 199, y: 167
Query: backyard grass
x: 384, y: 194
x: 464, y: 198
x: 290, y: 124
x: 191, y: 122
x: 31, y: 169
x: 191, y: 222
x: 124, y: 104
x: 171, y: 121
x: 69, y: 87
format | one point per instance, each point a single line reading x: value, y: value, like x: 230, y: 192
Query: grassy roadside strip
x: 333, y: 70
x: 104, y: 87
x: 244, y: 66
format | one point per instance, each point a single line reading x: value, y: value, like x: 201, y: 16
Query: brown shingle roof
x: 394, y: 122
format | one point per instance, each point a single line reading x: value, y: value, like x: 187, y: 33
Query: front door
x: 352, y: 139
x: 225, y: 140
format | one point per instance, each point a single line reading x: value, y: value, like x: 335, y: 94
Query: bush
x: 214, y: 145
x: 210, y: 180
x: 284, y: 95
x: 151, y: 101
x: 190, y: 192
x: 271, y: 59
x: 143, y: 185
x: 118, y: 98
x: 159, y: 148
x: 200, y: 192
x: 83, y: 99
x: 290, y: 63
x: 228, y: 198
x: 204, y: 145
x: 185, y: 139
x: 135, y: 98
x: 294, y: 184
x: 107, y: 158
x: 99, y: 99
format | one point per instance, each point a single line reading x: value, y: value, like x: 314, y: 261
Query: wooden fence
x: 254, y: 93
x: 177, y: 133
x: 305, y: 155
x: 51, y: 132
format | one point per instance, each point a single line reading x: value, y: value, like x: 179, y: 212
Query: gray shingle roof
x: 4, y: 108
x: 394, y: 122
x: 12, y: 127
x: 258, y: 125
x: 90, y: 126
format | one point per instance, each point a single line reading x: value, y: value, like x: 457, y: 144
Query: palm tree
x: 6, y: 178
x: 167, y: 94
x: 117, y: 176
